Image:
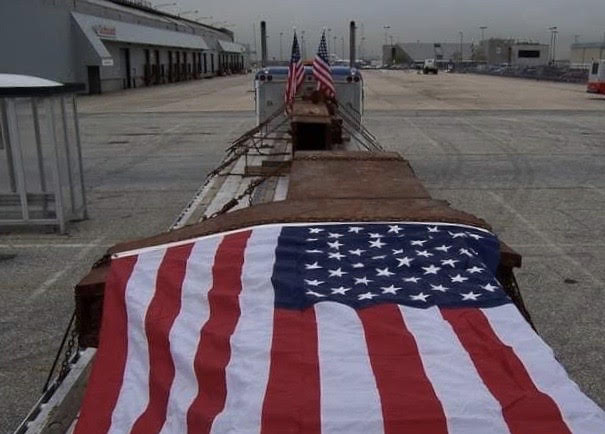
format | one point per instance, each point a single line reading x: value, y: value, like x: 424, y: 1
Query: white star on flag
x: 420, y: 297
x: 450, y: 262
x: 335, y: 244
x: 384, y: 272
x: 412, y: 279
x: 337, y: 273
x: 377, y: 244
x: 470, y: 296
x: 431, y: 269
x: 404, y: 261
x: 313, y: 266
x: 357, y: 252
x: 362, y: 281
x: 390, y: 290
x: 489, y: 287
x: 458, y: 278
x: 440, y: 288
x: 341, y: 290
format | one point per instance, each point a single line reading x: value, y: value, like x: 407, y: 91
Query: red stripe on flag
x: 292, y: 399
x: 409, y: 402
x: 213, y: 351
x: 108, y: 371
x: 525, y: 408
x: 163, y: 310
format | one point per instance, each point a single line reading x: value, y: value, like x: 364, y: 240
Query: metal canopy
x: 97, y: 30
x: 230, y: 47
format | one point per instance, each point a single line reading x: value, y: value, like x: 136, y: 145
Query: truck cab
x: 430, y: 66
x: 270, y: 85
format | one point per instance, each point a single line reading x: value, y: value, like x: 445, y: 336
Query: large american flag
x: 296, y: 73
x: 321, y: 69
x: 348, y: 328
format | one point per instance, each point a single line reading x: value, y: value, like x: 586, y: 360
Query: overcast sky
x: 410, y: 20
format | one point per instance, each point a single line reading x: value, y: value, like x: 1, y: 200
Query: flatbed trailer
x: 270, y: 184
x: 312, y: 164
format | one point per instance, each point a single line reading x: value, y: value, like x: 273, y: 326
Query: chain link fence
x: 547, y: 73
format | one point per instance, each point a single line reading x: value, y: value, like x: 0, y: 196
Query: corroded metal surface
x: 324, y: 187
x: 360, y: 175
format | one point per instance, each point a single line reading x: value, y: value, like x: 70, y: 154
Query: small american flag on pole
x: 296, y: 73
x: 321, y: 69
x: 334, y: 328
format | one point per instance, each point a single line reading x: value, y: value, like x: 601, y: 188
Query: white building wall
x: 65, y: 57
x: 519, y: 59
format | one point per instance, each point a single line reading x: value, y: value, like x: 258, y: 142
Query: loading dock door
x: 125, y: 62
x: 94, y: 80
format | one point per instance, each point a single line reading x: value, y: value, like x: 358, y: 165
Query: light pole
x: 329, y: 33
x: 255, y: 46
x: 281, y: 55
x: 461, y: 42
x: 553, y: 43
x: 334, y: 39
x: 483, y: 28
x: 303, y: 44
x: 362, y: 47
x: 385, y: 53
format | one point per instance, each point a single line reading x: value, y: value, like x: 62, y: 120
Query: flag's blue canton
x: 295, y: 50
x: 323, y: 49
x: 365, y: 264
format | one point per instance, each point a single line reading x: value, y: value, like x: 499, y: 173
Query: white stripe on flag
x: 185, y: 333
x: 579, y: 413
x: 468, y: 405
x: 349, y: 397
x: 248, y: 370
x: 134, y: 393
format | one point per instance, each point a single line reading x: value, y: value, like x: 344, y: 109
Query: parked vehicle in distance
x: 430, y: 66
x: 596, y: 77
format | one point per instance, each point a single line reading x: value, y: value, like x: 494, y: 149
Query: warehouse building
x: 112, y: 44
x: 416, y: 52
x: 584, y: 53
x: 496, y: 51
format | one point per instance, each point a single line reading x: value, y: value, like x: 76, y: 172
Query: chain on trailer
x: 238, y: 148
x: 241, y: 146
x: 353, y: 126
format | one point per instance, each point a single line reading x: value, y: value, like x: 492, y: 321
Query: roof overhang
x: 230, y: 47
x: 97, y: 30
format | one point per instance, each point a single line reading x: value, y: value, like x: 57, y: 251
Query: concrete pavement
x: 526, y: 156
